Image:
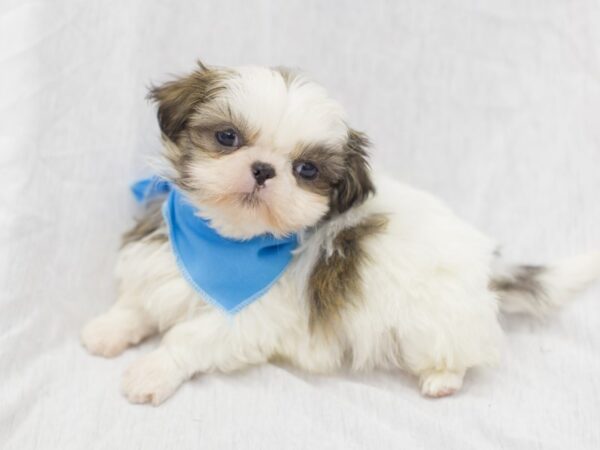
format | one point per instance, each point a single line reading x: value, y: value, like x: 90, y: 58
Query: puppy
x: 380, y: 274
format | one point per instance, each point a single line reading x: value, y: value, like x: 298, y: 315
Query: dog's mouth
x: 255, y: 197
x: 251, y: 199
x: 247, y: 198
x: 252, y: 206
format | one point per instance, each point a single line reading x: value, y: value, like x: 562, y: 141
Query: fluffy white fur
x: 426, y: 306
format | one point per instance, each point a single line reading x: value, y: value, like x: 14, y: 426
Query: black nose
x: 262, y: 172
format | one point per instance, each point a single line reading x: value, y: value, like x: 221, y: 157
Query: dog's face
x: 261, y: 150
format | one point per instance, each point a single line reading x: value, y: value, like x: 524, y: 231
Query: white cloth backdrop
x: 493, y: 106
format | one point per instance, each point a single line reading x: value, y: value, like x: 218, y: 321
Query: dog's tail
x: 540, y: 290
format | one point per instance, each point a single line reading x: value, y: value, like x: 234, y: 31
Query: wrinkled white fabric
x: 491, y: 105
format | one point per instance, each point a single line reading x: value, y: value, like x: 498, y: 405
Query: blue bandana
x: 228, y: 273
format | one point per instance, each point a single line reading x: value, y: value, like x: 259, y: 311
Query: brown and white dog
x: 386, y: 278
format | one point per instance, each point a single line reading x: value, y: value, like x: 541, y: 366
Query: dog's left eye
x: 228, y: 138
x: 306, y: 170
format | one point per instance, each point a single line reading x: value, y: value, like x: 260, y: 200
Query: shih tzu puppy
x: 268, y: 238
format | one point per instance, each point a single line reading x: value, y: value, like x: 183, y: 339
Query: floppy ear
x: 177, y: 99
x: 355, y: 185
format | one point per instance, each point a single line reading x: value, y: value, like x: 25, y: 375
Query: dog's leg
x: 210, y: 342
x: 111, y: 333
x: 441, y: 383
x: 446, y: 333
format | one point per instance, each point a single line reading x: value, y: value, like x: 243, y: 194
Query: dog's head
x: 261, y: 150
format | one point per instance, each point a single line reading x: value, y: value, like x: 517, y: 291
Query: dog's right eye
x: 227, y: 138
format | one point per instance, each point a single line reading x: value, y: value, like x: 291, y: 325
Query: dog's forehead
x: 285, y: 110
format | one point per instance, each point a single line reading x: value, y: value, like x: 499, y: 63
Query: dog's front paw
x: 152, y: 378
x: 440, y: 383
x: 103, y: 337
x: 110, y: 334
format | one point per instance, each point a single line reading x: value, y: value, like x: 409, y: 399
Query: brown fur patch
x: 344, y: 173
x: 335, y: 281
x: 147, y: 226
x: 355, y: 185
x: 524, y: 279
x: 330, y: 162
x: 179, y: 113
x: 177, y: 99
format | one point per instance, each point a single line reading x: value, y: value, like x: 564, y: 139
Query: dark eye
x: 228, y: 138
x: 306, y: 170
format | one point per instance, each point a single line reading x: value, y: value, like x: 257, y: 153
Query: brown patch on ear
x: 335, y: 281
x: 355, y: 185
x: 177, y: 99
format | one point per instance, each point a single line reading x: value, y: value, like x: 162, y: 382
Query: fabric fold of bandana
x: 226, y: 272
